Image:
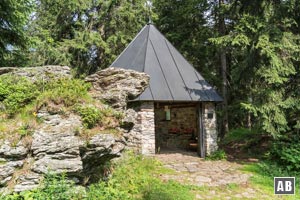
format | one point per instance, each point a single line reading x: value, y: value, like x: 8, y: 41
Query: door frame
x: 200, y: 134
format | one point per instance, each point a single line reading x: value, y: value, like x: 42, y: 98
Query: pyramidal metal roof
x: 172, y: 77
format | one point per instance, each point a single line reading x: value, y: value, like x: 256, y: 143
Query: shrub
x: 287, y: 154
x: 90, y: 115
x: 54, y: 187
x: 64, y: 91
x: 105, y: 191
x: 217, y: 155
x: 16, y: 92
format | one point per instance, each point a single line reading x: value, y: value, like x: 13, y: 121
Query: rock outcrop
x: 57, y: 145
x: 116, y: 86
x: 57, y: 148
x: 38, y: 73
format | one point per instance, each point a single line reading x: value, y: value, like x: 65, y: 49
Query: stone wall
x: 210, y: 127
x: 141, y: 136
x: 179, y: 130
x: 151, y: 131
x: 148, y: 128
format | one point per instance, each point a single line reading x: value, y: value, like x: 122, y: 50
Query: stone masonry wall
x: 141, y: 137
x: 148, y: 128
x: 210, y: 128
x: 151, y: 131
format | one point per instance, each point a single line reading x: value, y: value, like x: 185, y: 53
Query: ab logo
x: 284, y: 185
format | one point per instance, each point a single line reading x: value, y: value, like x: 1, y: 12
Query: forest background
x: 249, y: 50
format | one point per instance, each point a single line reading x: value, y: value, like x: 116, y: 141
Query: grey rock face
x: 27, y: 181
x: 38, y: 73
x: 116, y: 85
x: 55, y: 146
x: 130, y: 116
x: 103, y: 144
x: 4, y: 70
x: 47, y: 164
x: 58, y: 149
x: 7, y: 169
x: 100, y: 149
x: 16, y: 153
x: 11, y: 158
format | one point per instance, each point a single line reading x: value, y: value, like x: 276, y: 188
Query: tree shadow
x: 206, y: 93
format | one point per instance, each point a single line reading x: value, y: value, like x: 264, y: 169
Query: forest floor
x: 223, y: 179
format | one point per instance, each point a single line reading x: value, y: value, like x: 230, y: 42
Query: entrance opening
x: 176, y: 127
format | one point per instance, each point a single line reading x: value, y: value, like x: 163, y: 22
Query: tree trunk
x: 222, y: 31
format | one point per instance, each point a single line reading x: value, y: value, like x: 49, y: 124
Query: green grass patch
x: 239, y: 135
x: 133, y: 177
x: 263, y: 178
x: 138, y: 176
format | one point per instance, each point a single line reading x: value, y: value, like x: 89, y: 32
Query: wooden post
x: 200, y: 134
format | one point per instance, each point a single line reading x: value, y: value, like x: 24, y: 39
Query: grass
x: 239, y: 135
x: 245, y: 143
x: 20, y: 127
x: 138, y: 177
x: 133, y: 177
x: 263, y: 179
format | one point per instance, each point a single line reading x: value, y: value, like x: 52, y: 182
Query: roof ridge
x: 146, y: 48
x: 172, y: 77
x: 162, y: 70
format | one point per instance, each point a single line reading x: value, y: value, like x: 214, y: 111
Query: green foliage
x: 85, y: 34
x: 16, y: 92
x: 135, y: 178
x: 287, y: 154
x: 53, y: 187
x: 90, y: 115
x: 217, y: 155
x: 64, y: 91
x: 105, y: 191
x: 238, y: 135
x: 187, y: 27
x: 57, y: 187
x: 264, y: 53
x: 14, y: 15
x: 167, y: 191
x: 25, y: 130
x: 263, y: 174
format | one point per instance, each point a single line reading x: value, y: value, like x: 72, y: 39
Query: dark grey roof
x: 172, y: 78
